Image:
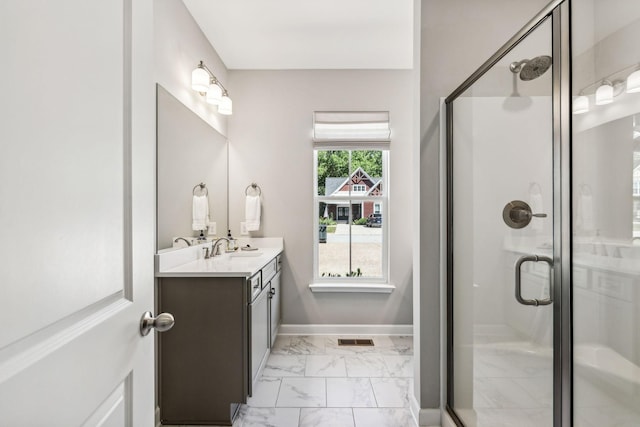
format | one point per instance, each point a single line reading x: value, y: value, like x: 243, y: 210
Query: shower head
x: 530, y: 69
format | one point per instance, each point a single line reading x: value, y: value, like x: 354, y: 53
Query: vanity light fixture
x: 580, y: 104
x: 214, y: 94
x: 605, y: 90
x: 633, y: 82
x: 604, y: 93
x: 226, y: 105
x: 200, y: 79
x: 208, y: 85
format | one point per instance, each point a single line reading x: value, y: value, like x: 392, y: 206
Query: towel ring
x: 203, y: 187
x: 253, y: 186
x: 585, y: 190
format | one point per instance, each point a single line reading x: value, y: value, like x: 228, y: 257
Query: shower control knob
x: 517, y: 214
x: 163, y: 322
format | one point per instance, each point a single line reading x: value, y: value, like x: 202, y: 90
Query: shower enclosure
x: 543, y: 225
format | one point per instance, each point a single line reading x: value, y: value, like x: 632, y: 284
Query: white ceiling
x: 306, y: 34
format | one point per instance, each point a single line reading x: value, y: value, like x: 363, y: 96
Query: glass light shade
x: 633, y: 82
x: 580, y: 105
x: 604, y: 94
x: 200, y: 80
x: 226, y: 106
x: 214, y: 94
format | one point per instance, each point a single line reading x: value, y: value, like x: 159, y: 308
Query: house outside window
x: 350, y: 189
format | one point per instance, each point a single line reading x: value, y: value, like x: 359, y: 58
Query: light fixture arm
x: 213, y: 77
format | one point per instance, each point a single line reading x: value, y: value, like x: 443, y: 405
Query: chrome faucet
x: 215, y: 247
x: 182, y: 238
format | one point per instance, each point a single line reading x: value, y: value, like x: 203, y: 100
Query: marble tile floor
x: 513, y: 386
x: 310, y: 381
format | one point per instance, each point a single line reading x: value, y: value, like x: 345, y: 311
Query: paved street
x: 366, y: 251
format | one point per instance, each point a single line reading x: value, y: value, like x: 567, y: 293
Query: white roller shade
x: 351, y: 126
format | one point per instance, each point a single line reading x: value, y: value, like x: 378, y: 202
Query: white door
x: 77, y: 202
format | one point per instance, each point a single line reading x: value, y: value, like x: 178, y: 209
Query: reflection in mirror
x: 189, y: 152
x: 636, y: 180
x: 604, y: 174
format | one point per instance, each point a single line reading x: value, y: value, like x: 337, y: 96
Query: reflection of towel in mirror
x: 536, y: 207
x: 252, y: 213
x: 200, y: 212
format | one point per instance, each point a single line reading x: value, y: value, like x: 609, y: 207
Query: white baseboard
x: 414, y: 407
x: 429, y: 417
x: 424, y: 417
x: 346, y: 330
x: 446, y: 420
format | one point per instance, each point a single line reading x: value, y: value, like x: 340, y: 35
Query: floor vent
x: 365, y: 342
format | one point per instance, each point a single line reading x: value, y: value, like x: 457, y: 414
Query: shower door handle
x: 533, y: 258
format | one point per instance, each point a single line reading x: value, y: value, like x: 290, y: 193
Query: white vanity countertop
x: 625, y: 258
x: 190, y: 262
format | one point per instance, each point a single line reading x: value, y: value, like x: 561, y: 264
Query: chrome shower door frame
x: 559, y: 13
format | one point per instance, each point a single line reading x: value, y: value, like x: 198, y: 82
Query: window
x: 351, y: 200
x: 351, y: 151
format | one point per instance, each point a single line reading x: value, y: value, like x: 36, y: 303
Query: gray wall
x: 457, y: 37
x: 179, y: 45
x: 270, y: 144
x: 189, y: 151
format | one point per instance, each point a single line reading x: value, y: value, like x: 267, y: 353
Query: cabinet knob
x: 163, y: 322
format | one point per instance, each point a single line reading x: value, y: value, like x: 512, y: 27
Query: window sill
x: 376, y: 288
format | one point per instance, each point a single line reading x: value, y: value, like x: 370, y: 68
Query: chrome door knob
x: 163, y: 322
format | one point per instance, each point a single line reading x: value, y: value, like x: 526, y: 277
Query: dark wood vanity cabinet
x: 203, y: 360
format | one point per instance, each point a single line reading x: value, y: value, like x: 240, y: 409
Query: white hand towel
x: 200, y: 213
x: 535, y: 201
x: 585, y: 212
x: 252, y: 213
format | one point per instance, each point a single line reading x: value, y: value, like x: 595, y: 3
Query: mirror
x: 189, y: 152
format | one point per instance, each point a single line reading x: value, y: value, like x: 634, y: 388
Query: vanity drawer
x: 268, y: 271
x: 612, y: 285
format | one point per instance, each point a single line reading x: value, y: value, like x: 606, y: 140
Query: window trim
x: 356, y: 284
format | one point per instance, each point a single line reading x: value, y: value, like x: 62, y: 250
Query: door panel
x: 606, y: 216
x: 502, y: 241
x: 73, y: 183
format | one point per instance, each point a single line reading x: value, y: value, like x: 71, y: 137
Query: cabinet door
x: 259, y: 334
x: 274, y: 308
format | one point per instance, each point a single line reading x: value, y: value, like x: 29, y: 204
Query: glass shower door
x: 501, y: 228
x: 606, y: 213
